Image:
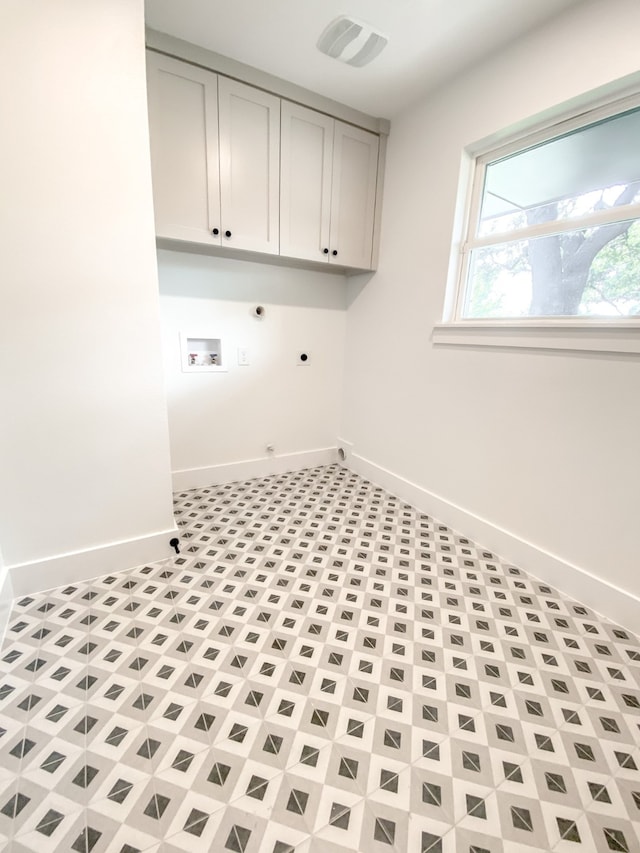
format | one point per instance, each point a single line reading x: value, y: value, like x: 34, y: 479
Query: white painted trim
x: 377, y: 216
x: 6, y: 600
x: 609, y: 216
x: 245, y: 255
x: 611, y: 601
x: 76, y: 566
x: 590, y: 107
x: 594, y: 336
x: 249, y: 469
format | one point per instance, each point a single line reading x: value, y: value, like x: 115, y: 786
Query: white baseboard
x: 617, y: 604
x: 248, y: 469
x: 6, y: 600
x: 76, y: 566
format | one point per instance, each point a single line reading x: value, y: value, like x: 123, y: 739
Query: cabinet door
x: 249, y: 166
x: 353, y: 197
x: 305, y: 182
x: 183, y: 126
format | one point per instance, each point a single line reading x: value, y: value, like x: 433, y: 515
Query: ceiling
x: 429, y: 40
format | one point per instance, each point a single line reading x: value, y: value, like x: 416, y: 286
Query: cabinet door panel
x: 183, y: 121
x: 249, y: 166
x: 305, y: 182
x: 355, y: 167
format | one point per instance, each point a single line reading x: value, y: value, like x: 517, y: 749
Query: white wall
x: 84, y: 447
x: 541, y: 444
x: 227, y: 419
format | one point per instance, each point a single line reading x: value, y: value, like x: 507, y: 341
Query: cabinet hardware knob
x: 227, y: 233
x: 334, y: 253
x: 215, y: 231
x: 325, y: 251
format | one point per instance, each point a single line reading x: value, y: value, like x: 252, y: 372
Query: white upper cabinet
x: 327, y: 188
x: 353, y: 195
x: 249, y: 166
x: 305, y: 183
x: 215, y: 157
x: 183, y: 120
x: 237, y: 167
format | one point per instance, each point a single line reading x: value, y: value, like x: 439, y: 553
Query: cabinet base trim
x: 176, y: 245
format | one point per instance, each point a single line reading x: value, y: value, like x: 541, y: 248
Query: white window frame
x: 616, y: 335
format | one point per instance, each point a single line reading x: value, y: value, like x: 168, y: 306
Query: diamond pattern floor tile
x: 321, y: 669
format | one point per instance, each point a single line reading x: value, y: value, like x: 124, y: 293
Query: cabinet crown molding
x: 211, y: 61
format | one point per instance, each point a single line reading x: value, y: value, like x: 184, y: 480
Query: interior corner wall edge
x: 608, y: 600
x: 542, y: 444
x: 84, y: 444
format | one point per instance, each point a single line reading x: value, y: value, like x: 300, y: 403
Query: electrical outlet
x: 243, y: 356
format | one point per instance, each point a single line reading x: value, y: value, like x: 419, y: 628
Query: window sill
x: 594, y: 336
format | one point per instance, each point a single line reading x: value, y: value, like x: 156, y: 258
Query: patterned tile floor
x: 323, y: 669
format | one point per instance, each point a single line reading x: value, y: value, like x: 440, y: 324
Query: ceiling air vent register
x: 350, y: 41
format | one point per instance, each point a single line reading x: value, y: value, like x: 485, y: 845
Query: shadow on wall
x: 355, y: 285
x: 207, y: 277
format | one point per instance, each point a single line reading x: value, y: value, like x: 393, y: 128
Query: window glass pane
x: 591, y: 272
x: 589, y: 169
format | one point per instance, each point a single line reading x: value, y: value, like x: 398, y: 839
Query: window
x: 554, y: 228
